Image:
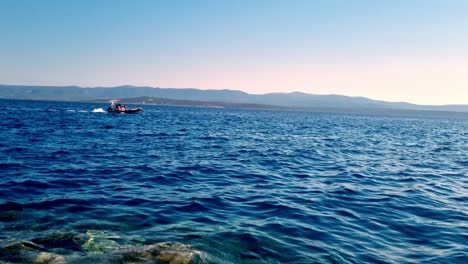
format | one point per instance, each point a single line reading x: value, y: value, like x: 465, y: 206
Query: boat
x: 127, y: 111
x: 115, y: 108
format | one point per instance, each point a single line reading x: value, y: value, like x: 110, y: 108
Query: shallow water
x: 241, y: 186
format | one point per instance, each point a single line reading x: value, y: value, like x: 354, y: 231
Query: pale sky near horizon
x: 396, y: 50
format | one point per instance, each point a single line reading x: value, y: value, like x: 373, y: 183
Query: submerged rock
x: 164, y: 253
x: 49, y: 258
x: 96, y: 247
x: 99, y: 242
x: 59, y: 240
x: 29, y: 252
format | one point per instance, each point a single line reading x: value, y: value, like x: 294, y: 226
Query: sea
x: 212, y: 185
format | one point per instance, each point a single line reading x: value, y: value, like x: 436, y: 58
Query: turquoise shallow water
x: 238, y: 186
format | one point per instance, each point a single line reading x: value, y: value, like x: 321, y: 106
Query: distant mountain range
x: 214, y: 98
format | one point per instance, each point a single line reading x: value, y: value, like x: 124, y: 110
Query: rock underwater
x: 96, y: 247
x: 167, y: 252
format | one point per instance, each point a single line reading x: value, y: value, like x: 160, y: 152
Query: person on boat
x: 112, y: 107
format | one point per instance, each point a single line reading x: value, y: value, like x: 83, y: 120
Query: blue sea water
x: 241, y: 186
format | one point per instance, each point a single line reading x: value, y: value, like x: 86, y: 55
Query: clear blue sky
x: 396, y: 50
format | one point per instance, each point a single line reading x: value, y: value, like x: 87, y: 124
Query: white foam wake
x: 98, y: 110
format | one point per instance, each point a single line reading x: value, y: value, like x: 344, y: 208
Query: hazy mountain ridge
x: 294, y: 99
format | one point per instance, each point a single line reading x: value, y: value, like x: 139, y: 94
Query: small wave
x: 76, y: 111
x: 12, y: 166
x: 11, y: 206
x: 462, y: 162
x: 33, y: 184
x: 14, y: 150
x: 98, y: 110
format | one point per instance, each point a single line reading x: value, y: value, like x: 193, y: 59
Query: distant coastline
x: 215, y: 98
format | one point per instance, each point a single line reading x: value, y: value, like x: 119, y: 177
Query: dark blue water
x: 240, y: 186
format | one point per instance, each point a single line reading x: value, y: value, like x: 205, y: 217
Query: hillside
x: 287, y: 100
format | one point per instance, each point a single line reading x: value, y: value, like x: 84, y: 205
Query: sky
x: 399, y: 50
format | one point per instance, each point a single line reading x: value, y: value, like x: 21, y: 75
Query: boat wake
x: 98, y: 110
